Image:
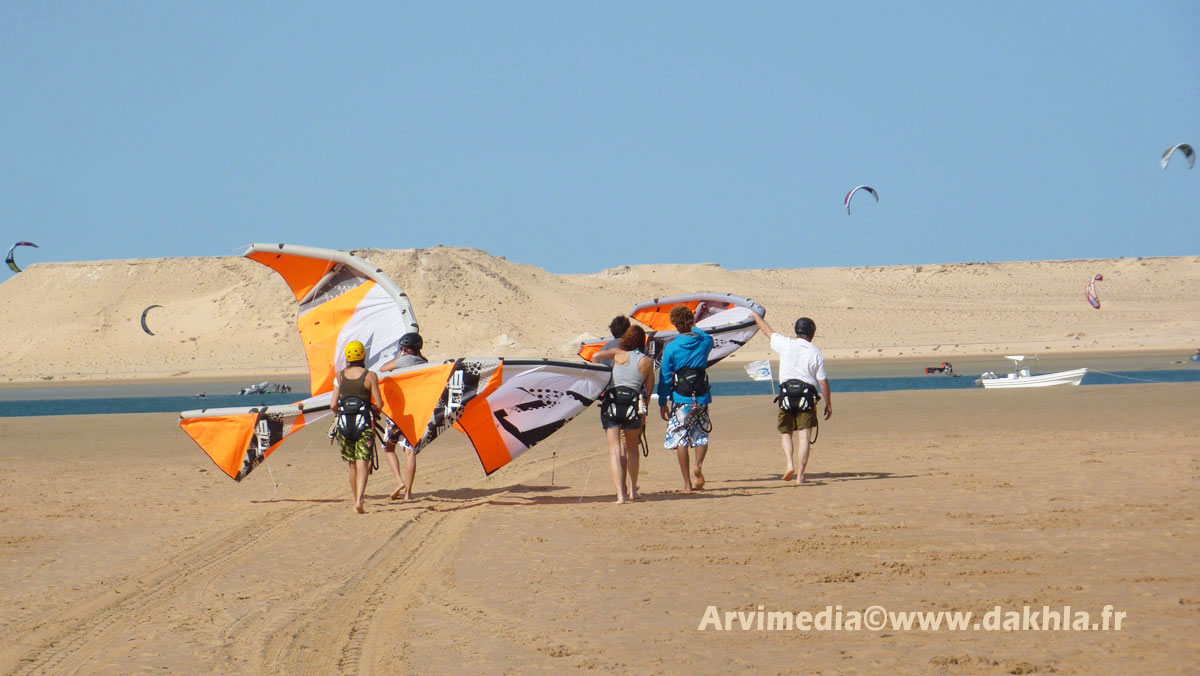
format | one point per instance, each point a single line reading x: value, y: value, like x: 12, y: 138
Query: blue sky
x: 580, y: 136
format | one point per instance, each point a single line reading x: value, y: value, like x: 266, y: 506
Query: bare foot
x: 801, y: 482
x: 620, y: 500
x: 634, y: 494
x: 397, y: 493
x: 358, y: 507
x: 789, y: 475
x: 699, y: 481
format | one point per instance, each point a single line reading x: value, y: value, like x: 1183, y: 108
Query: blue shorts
x: 608, y: 423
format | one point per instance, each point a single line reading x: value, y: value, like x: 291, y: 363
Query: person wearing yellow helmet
x: 356, y: 401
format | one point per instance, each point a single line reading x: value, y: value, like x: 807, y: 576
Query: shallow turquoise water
x: 92, y: 400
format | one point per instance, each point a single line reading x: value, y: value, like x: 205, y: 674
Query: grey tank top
x: 628, y: 375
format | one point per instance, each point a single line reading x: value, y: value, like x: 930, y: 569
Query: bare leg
x: 802, y: 455
x: 785, y: 439
x: 632, y: 460
x: 389, y: 453
x: 616, y: 461
x: 685, y: 463
x: 701, y: 451
x: 410, y: 471
x: 360, y: 486
x: 353, y: 482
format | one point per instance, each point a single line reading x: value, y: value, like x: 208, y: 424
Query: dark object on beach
x: 945, y: 368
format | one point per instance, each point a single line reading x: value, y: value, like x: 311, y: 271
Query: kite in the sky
x: 144, y: 313
x: 12, y: 264
x: 504, y: 406
x: 1188, y: 154
x: 1090, y: 292
x: 861, y: 187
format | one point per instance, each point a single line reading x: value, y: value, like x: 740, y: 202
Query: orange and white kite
x: 504, y: 406
x: 723, y: 316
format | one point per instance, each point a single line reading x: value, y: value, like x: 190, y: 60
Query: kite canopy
x: 1090, y: 291
x: 724, y: 316
x: 1188, y: 154
x: 144, y: 313
x: 851, y: 194
x: 342, y: 298
x: 504, y: 406
x: 12, y: 264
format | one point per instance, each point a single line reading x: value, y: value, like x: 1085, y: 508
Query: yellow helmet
x: 355, y: 351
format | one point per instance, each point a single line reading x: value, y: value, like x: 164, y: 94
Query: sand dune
x: 228, y: 316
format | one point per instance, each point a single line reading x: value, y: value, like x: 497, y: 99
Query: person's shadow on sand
x: 821, y: 478
x: 466, y: 498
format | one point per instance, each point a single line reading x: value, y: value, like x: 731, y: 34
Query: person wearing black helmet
x: 408, y: 354
x: 801, y: 372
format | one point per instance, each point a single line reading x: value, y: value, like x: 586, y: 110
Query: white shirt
x: 798, y: 359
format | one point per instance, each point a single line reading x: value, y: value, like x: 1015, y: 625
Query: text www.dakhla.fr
x: 878, y: 618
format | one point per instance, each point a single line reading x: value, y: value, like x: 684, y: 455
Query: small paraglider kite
x: 12, y: 264
x: 861, y: 187
x: 1188, y: 154
x: 144, y: 313
x: 1090, y: 293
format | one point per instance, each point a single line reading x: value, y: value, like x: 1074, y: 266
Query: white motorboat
x: 256, y: 389
x: 1023, y: 378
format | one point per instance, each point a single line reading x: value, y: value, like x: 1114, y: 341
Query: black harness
x: 796, y: 395
x: 354, y: 418
x: 620, y: 404
x: 691, y: 381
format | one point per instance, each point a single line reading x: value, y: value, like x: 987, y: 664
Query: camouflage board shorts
x: 362, y: 449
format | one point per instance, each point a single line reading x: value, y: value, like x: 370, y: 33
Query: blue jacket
x: 688, y: 350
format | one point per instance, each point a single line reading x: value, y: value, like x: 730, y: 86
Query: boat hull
x: 1042, y: 380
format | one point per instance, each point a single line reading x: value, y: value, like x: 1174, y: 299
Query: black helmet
x: 412, y: 340
x: 806, y: 327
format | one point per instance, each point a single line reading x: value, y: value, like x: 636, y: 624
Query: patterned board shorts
x: 394, y: 435
x: 686, y: 426
x: 361, y: 449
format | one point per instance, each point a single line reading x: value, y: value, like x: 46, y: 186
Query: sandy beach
x: 252, y: 246
x: 126, y: 551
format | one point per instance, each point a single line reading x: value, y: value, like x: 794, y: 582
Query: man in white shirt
x: 799, y: 360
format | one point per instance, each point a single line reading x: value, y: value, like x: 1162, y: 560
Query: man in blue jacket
x: 684, y: 383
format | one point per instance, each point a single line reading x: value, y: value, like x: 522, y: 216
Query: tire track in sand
x: 64, y: 644
x: 303, y: 646
x: 390, y: 580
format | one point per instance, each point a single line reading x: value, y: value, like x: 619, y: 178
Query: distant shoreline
x: 231, y: 321
x: 729, y: 369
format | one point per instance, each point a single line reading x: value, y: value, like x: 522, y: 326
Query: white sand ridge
x: 231, y: 316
